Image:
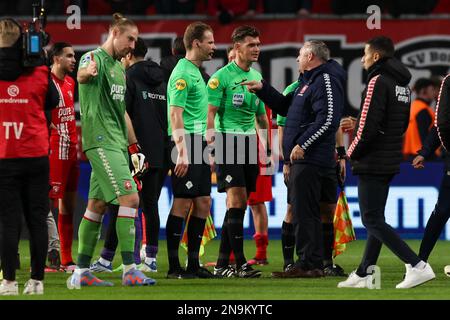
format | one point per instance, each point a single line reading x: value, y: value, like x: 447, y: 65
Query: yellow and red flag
x: 343, y: 228
x: 209, y: 233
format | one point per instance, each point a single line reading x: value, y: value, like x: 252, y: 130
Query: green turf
x: 264, y: 288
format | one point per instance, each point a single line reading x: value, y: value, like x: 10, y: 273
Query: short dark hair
x: 178, y: 46
x: 140, y: 48
x: 383, y: 45
x: 241, y: 32
x: 195, y: 31
x: 422, y: 83
x: 57, y: 50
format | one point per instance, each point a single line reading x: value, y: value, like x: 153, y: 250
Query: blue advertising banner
x: 412, y: 197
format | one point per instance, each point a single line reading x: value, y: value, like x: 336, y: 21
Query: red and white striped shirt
x: 64, y: 136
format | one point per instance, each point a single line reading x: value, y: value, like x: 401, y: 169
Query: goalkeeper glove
x: 140, y: 165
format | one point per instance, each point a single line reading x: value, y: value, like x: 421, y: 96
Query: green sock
x: 126, y: 234
x: 88, y: 234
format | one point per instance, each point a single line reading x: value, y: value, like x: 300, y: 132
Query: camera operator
x: 25, y: 94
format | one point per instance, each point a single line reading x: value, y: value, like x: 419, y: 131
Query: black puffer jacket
x: 443, y: 113
x: 384, y: 116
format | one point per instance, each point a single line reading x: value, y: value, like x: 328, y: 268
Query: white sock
x: 421, y: 265
x: 104, y: 261
x: 128, y: 267
x: 149, y: 260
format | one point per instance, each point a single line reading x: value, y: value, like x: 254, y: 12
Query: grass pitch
x: 265, y: 288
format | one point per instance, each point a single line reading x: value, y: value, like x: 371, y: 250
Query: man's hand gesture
x: 92, y: 67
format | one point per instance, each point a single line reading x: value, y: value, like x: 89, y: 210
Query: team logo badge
x: 213, y: 83
x: 128, y: 185
x: 189, y: 185
x: 228, y: 178
x: 180, y: 84
x: 13, y: 90
x: 303, y: 90
x: 55, y: 189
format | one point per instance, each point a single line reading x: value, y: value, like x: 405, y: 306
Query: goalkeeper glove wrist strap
x: 134, y: 148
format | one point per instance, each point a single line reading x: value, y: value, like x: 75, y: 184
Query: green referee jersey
x: 187, y: 89
x: 237, y: 107
x: 281, y: 121
x: 102, y: 104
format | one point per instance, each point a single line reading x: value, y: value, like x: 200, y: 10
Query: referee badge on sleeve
x: 180, y: 84
x: 214, y: 83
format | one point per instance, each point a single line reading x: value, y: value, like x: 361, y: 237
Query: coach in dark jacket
x: 313, y: 114
x: 376, y: 153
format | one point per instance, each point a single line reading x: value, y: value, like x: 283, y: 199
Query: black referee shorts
x: 236, y: 162
x: 197, y: 181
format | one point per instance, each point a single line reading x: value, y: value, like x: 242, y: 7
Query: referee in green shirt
x: 191, y: 176
x: 232, y: 113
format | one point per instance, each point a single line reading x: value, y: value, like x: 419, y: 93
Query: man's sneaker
x: 288, y: 267
x: 416, y: 276
x: 34, y: 287
x: 9, y: 289
x: 148, y: 267
x: 135, y: 277
x: 97, y: 266
x: 86, y: 279
x: 54, y: 262
x: 177, y: 273
x: 69, y: 267
x: 201, y: 273
x: 47, y: 269
x: 259, y: 262
x: 246, y: 271
x: 334, y: 270
x: 355, y: 281
x: 447, y: 270
x: 225, y: 272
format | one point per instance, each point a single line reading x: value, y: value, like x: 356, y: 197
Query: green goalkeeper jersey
x: 187, y: 89
x: 237, y: 107
x: 281, y: 121
x: 102, y: 104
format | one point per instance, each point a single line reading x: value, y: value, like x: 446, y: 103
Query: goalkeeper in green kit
x: 106, y: 133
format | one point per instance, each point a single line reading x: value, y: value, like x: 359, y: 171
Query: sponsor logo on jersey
x: 13, y: 90
x: 213, y: 83
x: 180, y: 84
x: 238, y: 99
